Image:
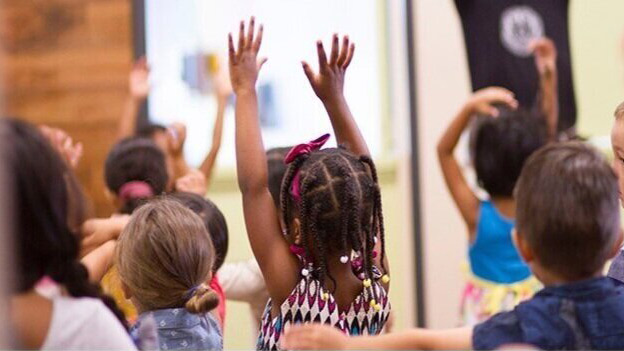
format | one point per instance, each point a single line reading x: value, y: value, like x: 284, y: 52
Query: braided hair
x: 339, y: 207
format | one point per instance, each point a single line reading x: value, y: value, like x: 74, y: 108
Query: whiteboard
x: 176, y: 30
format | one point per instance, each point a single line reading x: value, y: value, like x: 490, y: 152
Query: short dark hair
x: 277, y: 169
x: 150, y: 130
x: 501, y: 145
x: 213, y: 220
x: 135, y: 159
x: 568, y: 209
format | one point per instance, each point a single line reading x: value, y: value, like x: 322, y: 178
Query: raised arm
x: 328, y: 85
x: 97, y: 231
x: 139, y: 89
x: 324, y: 337
x: 480, y: 103
x: 223, y: 91
x: 99, y: 261
x: 545, y: 54
x: 278, y: 265
x: 176, y: 137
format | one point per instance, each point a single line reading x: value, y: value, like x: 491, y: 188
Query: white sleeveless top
x: 84, y: 324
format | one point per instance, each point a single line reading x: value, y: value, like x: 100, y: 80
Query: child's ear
x: 296, y: 228
x: 617, y: 244
x: 522, y: 246
x: 126, y: 291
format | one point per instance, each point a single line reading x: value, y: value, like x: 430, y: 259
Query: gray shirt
x: 178, y: 329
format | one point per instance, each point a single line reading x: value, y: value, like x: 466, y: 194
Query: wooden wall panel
x: 65, y: 63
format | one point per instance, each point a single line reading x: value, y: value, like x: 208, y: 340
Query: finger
x: 261, y: 62
x: 344, y: 51
x: 492, y: 111
x: 258, y: 42
x: 250, y: 32
x: 308, y: 71
x: 231, y: 50
x: 321, y: 55
x: 349, y: 56
x: 241, y: 37
x: 333, y: 57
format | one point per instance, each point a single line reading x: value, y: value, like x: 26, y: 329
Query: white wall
x: 442, y: 86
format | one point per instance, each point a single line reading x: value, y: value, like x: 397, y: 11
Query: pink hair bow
x: 306, y: 148
x: 303, y: 149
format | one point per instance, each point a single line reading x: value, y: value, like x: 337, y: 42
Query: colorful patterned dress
x: 306, y: 305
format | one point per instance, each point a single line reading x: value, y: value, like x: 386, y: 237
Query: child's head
x: 501, y: 145
x: 567, y: 213
x: 277, y: 169
x: 157, y: 133
x: 213, y: 219
x: 47, y: 208
x: 331, y: 204
x: 135, y: 170
x: 164, y: 257
x: 617, y: 143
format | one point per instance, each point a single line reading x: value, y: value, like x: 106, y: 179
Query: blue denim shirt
x: 616, y: 271
x: 178, y: 329
x: 586, y: 315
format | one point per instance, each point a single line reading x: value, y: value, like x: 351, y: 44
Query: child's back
x: 568, y: 227
x: 500, y: 144
x: 164, y: 257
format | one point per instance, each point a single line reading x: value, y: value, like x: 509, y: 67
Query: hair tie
x: 299, y: 150
x: 190, y: 292
x: 135, y: 190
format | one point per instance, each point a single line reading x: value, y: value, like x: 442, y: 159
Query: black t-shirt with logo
x: 497, y: 33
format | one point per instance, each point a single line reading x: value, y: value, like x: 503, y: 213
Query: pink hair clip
x: 303, y: 149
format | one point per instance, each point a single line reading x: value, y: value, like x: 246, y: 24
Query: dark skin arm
x: 279, y: 267
x: 328, y: 85
x: 480, y: 103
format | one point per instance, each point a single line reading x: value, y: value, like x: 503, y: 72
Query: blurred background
x: 65, y: 63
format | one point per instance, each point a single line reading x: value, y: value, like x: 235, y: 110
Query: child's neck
x: 505, y: 205
x: 552, y: 279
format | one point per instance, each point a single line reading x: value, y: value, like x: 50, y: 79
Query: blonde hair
x: 165, y: 257
x: 619, y: 111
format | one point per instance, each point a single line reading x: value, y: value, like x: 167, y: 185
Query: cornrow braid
x: 378, y: 220
x: 339, y: 208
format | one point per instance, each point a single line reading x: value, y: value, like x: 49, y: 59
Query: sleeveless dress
x: 305, y: 304
x: 498, y: 279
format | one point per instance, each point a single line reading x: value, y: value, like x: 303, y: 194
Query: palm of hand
x: 244, y: 63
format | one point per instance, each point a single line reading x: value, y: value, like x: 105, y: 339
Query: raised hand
x: 176, y: 136
x: 61, y: 141
x: 329, y: 81
x: 138, y: 82
x: 222, y: 85
x: 545, y: 54
x: 482, y: 101
x: 244, y: 63
x: 193, y: 182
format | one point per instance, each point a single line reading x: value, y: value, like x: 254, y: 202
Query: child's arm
x: 176, y: 134
x: 193, y: 182
x: 99, y: 261
x: 278, y: 265
x: 324, y: 337
x: 223, y: 91
x: 139, y: 89
x: 545, y: 54
x: 480, y: 103
x: 98, y: 231
x: 328, y: 85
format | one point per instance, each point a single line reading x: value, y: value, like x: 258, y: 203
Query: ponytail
x: 203, y: 300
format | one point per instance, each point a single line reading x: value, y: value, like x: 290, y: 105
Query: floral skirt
x: 482, y: 299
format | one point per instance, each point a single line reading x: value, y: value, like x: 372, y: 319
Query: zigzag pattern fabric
x: 306, y: 305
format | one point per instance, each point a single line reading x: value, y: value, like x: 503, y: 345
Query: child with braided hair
x: 329, y: 266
